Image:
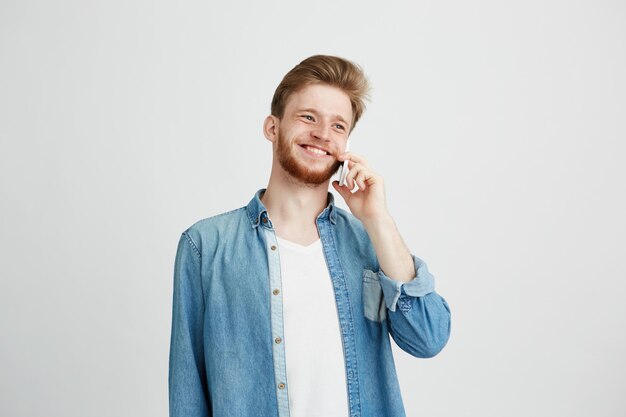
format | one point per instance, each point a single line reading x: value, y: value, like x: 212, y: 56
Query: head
x: 324, y: 69
x: 316, y: 105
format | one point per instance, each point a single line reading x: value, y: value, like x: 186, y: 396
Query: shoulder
x: 219, y: 225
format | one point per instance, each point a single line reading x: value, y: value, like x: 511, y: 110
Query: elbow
x: 421, y: 350
x: 438, y: 340
x: 426, y: 348
x: 422, y: 341
x: 432, y: 349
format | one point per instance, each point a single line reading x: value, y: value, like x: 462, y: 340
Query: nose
x: 322, y: 132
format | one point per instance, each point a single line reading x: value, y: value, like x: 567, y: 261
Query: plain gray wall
x: 499, y: 128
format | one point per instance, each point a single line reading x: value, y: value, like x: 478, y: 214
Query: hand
x: 368, y: 203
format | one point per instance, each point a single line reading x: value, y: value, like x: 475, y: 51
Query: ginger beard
x: 297, y: 167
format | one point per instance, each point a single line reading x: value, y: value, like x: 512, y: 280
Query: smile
x: 315, y: 152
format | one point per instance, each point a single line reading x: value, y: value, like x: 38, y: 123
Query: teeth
x: 315, y: 150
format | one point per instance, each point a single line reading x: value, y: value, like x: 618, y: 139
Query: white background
x: 499, y: 128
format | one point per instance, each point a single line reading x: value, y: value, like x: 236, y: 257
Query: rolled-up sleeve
x: 188, y: 393
x: 418, y: 317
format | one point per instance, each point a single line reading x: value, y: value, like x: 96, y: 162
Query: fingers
x: 360, y: 180
x: 359, y: 170
x: 358, y: 174
x: 356, y: 164
x: 353, y: 158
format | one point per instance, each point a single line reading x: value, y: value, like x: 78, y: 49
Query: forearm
x: 393, y: 255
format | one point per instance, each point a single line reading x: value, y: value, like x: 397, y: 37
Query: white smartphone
x: 343, y: 172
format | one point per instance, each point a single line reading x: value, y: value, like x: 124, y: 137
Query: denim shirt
x: 227, y: 356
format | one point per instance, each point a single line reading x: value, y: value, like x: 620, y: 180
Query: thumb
x: 343, y: 191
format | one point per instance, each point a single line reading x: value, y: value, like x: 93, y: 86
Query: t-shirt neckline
x: 297, y: 247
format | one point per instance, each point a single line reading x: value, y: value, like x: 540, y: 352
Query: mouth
x: 315, y: 151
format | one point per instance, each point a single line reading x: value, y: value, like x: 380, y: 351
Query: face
x: 313, y: 132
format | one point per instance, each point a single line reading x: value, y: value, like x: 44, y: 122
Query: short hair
x: 324, y: 69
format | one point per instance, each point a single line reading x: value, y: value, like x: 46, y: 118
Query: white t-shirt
x: 316, y: 373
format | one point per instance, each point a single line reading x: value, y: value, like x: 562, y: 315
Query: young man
x: 284, y: 307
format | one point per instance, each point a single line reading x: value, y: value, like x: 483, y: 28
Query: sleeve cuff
x: 422, y: 284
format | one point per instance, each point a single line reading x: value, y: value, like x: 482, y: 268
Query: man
x: 284, y: 307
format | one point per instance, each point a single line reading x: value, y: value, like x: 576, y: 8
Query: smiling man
x: 284, y: 307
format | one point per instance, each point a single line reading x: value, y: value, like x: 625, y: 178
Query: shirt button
x: 278, y: 340
x: 273, y: 247
x: 276, y: 291
x: 281, y: 386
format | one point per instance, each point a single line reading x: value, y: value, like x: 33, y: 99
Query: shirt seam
x: 199, y: 255
x: 193, y: 245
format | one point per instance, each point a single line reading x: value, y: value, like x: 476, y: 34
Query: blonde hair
x: 324, y: 69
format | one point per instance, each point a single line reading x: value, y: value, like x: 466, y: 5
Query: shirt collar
x: 257, y: 213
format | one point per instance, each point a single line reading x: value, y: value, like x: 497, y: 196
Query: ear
x: 270, y: 128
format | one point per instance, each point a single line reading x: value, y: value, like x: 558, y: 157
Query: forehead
x: 325, y: 99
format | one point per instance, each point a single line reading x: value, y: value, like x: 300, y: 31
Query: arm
x: 188, y: 391
x: 418, y: 317
x: 421, y: 325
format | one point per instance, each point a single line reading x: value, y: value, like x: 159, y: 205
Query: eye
x: 308, y: 117
x: 340, y: 126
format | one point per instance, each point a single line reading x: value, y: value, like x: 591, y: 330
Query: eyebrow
x: 336, y: 116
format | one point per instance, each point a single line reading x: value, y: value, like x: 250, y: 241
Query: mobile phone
x: 344, y: 167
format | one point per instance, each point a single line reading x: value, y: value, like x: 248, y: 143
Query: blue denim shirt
x: 227, y: 356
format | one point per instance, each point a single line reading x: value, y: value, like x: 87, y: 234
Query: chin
x: 301, y: 170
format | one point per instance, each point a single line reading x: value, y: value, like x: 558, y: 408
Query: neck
x: 293, y: 206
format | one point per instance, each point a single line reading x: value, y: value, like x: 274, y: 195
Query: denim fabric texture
x: 227, y: 356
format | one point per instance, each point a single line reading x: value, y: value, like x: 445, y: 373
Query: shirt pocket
x: 373, y: 300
